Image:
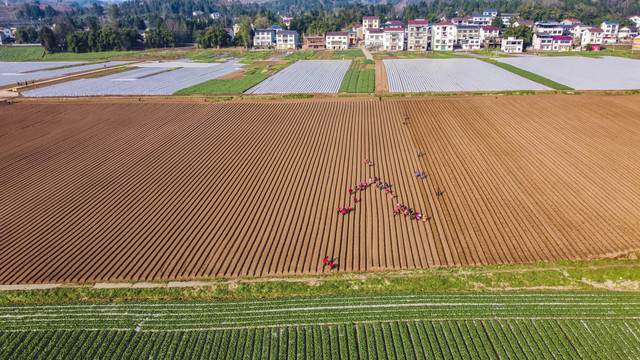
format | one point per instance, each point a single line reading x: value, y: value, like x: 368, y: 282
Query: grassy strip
x: 21, y: 53
x: 529, y: 75
x: 110, y: 72
x: 217, y: 86
x: 76, y: 65
x: 347, y: 54
x: 91, y: 56
x: 582, y: 275
x: 298, y: 96
x: 303, y: 55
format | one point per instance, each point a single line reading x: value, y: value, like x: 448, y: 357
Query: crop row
x: 357, y: 80
x: 316, y: 310
x: 451, y: 339
x: 14, y: 72
x: 306, y: 76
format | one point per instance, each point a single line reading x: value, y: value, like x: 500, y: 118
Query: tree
x: 114, y: 12
x: 78, y: 42
x: 47, y: 39
x: 497, y: 22
x: 160, y: 37
x: 261, y: 22
x: 245, y: 33
x: 130, y: 38
x: 319, y: 27
x: 26, y: 35
x: 50, y: 12
x: 520, y: 32
x: 214, y: 37
x: 63, y: 26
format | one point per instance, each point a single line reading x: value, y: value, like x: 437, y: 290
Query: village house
x: 418, y: 35
x: 491, y: 12
x: 370, y: 22
x: 6, y: 36
x: 287, y: 39
x: 374, y: 38
x: 443, y: 37
x: 592, y: 36
x: 276, y: 28
x: 512, y: 45
x: 481, y: 19
x: 337, y: 40
x: 353, y: 37
x: 470, y: 44
x: 571, y: 22
x: 313, y: 43
x: 561, y: 43
x: 264, y: 38
x: 214, y: 15
x: 287, y: 20
x: 466, y: 32
x: 635, y: 19
x: 610, y: 32
x: 506, y: 17
x: 549, y: 28
x: 359, y: 31
x: 627, y: 33
x: 520, y: 22
x: 542, y: 42
x: 577, y: 31
x: 462, y: 21
x: 489, y: 32
x: 393, y: 38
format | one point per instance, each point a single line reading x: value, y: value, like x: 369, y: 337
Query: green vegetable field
x: 358, y: 80
x: 426, y: 326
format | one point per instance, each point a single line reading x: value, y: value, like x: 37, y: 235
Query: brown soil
x: 148, y: 191
x: 234, y: 75
x: 382, y: 85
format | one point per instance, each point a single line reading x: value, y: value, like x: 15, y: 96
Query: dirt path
x: 382, y: 84
x: 366, y: 52
x: 200, y: 190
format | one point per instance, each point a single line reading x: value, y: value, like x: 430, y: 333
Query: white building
x: 542, y: 42
x: 561, y: 43
x: 465, y: 32
x: 215, y: 15
x: 418, y: 35
x: 593, y: 36
x: 287, y: 39
x: 549, y: 28
x: 506, y: 17
x: 373, y: 38
x: 263, y: 38
x: 610, y: 32
x: 337, y: 40
x: 489, y: 32
x: 444, y: 35
x: 627, y: 33
x: 287, y: 20
x: 481, y: 19
x: 370, y: 22
x: 393, y: 38
x: 491, y: 12
x: 512, y: 45
x: 571, y: 22
x: 635, y: 19
x: 520, y: 22
x: 578, y: 30
x: 471, y: 44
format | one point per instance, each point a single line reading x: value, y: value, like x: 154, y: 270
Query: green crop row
x: 358, y: 81
x: 450, y: 339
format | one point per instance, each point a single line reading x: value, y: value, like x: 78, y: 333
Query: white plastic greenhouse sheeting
x: 305, y: 76
x: 12, y: 72
x: 131, y: 83
x: 443, y: 75
x: 583, y: 73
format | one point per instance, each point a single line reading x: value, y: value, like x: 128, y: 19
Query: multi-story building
x: 610, y: 32
x: 393, y: 38
x: 506, y: 17
x: 418, y: 35
x: 571, y: 22
x: 635, y: 19
x: 359, y: 31
x: 491, y: 12
x: 592, y: 36
x: 489, y: 32
x: 561, y: 43
x: 264, y: 38
x: 374, y: 38
x: 287, y: 39
x: 337, y: 40
x: 627, y: 33
x: 370, y: 22
x: 313, y: 43
x: 443, y: 36
x: 465, y: 32
x: 549, y: 28
x: 512, y: 45
x: 462, y: 21
x: 528, y: 23
x: 542, y: 42
x: 353, y: 37
x: 481, y: 19
x: 470, y: 44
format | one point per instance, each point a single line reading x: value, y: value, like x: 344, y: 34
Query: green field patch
x: 21, y: 53
x: 347, y: 54
x: 358, y: 80
x: 303, y: 55
x: 216, y: 86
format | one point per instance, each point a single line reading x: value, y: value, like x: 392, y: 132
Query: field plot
x: 583, y: 73
x: 305, y: 76
x: 205, y: 190
x: 422, y: 75
x: 441, y: 326
x: 162, y: 78
x: 12, y: 72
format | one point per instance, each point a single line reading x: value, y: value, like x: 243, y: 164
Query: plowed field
x: 122, y: 191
